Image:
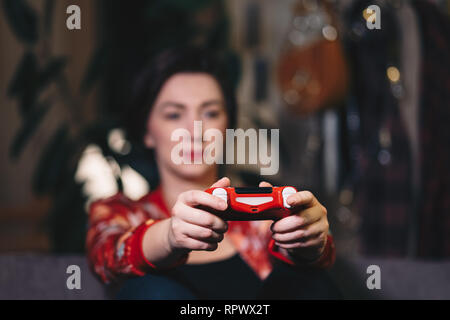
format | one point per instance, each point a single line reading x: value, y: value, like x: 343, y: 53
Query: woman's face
x: 183, y: 99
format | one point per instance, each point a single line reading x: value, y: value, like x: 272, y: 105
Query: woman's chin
x: 193, y: 171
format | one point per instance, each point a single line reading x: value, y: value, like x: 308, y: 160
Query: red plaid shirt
x: 118, y: 224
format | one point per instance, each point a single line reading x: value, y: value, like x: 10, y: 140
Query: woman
x: 166, y: 245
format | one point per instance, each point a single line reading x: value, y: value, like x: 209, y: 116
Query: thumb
x: 224, y: 182
x: 264, y: 184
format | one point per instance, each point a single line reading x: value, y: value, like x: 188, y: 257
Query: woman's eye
x: 172, y: 116
x: 212, y: 114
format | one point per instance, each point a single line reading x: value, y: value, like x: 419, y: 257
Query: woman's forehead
x: 186, y: 88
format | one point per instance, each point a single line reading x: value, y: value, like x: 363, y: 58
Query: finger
x: 297, y: 235
x: 287, y: 224
x: 263, y: 184
x: 312, y: 243
x: 197, y: 245
x: 201, y: 233
x: 311, y: 215
x: 302, y: 198
x: 223, y: 183
x: 297, y: 221
x: 317, y: 229
x: 200, y: 218
x: 304, y: 234
x: 194, y: 198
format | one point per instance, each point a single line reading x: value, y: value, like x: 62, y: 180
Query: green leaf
x: 24, y: 84
x: 25, y: 75
x: 30, y: 125
x: 22, y: 20
x: 27, y: 101
x: 51, y: 71
x: 28, y: 81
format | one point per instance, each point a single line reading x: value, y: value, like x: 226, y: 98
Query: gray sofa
x: 31, y: 276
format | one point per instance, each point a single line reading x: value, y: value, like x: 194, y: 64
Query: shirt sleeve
x: 114, y: 238
x: 325, y: 261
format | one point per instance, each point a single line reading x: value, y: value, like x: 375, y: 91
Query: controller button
x: 254, y: 201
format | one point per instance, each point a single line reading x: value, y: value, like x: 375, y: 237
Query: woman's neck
x: 173, y: 185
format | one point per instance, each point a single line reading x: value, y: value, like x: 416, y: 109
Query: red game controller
x: 266, y: 203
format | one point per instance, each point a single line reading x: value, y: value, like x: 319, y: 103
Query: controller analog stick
x: 286, y: 193
x: 221, y: 193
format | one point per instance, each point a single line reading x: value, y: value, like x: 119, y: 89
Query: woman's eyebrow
x: 211, y: 102
x: 172, y: 104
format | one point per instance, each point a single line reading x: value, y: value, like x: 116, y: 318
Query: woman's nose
x: 195, y: 127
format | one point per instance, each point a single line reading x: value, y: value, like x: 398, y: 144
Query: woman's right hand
x: 192, y: 228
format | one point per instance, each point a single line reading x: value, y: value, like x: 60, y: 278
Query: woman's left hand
x: 304, y: 233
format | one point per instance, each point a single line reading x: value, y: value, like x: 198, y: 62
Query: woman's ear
x: 149, y: 142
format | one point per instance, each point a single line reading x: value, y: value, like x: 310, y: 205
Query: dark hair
x: 169, y: 62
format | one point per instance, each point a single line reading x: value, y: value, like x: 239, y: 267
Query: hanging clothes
x: 402, y: 185
x: 434, y: 200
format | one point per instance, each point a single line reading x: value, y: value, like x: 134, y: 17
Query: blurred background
x: 363, y: 113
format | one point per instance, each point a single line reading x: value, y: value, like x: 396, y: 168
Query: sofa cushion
x: 34, y: 276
